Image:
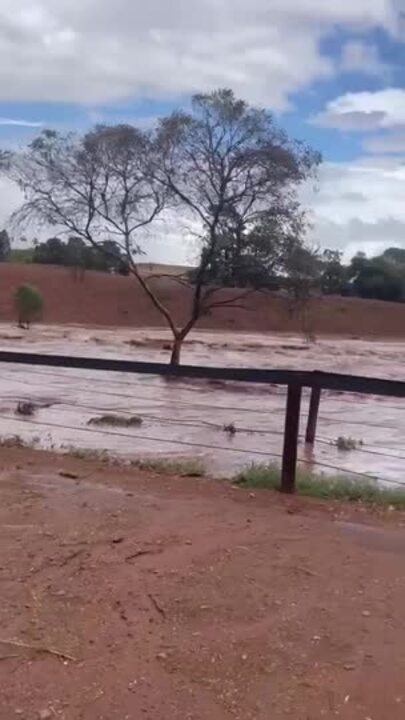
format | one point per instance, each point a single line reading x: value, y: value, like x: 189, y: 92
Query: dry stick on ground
x: 140, y: 553
x: 156, y: 605
x: 70, y: 557
x: 38, y: 649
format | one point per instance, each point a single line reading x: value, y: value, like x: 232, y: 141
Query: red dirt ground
x: 189, y: 600
x: 102, y: 299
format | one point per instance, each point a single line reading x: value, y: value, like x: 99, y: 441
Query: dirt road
x: 189, y: 600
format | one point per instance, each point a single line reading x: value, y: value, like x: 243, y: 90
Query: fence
x: 295, y: 381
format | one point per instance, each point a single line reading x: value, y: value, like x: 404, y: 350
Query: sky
x: 333, y: 73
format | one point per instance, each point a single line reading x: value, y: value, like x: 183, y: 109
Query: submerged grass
x: 16, y: 441
x: 336, y: 487
x: 185, y: 467
x: 88, y: 454
x: 347, y: 443
x: 116, y: 420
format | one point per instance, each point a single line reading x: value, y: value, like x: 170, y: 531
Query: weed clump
x: 116, y: 420
x: 347, y: 443
x: 185, y: 467
x: 335, y: 487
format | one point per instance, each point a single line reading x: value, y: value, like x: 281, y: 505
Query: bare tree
x: 224, y: 164
x: 230, y: 168
x: 96, y: 186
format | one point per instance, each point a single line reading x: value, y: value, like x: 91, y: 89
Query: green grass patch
x: 185, y: 467
x: 337, y: 487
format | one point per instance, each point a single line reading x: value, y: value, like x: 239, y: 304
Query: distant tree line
x: 379, y: 278
x: 266, y: 258
x: 74, y: 253
x: 269, y: 258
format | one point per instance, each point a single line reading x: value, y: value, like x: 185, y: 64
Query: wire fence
x: 240, y: 429
x: 173, y: 412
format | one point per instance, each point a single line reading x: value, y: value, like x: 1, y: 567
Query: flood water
x: 186, y: 418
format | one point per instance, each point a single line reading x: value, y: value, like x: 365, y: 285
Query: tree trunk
x: 178, y: 340
x: 176, y: 350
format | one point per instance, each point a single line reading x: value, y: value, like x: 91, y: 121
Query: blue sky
x: 333, y: 75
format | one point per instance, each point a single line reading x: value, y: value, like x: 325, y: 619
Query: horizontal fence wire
x: 152, y: 404
x: 161, y: 420
x: 185, y: 443
x: 137, y: 436
x: 201, y: 446
x: 179, y: 403
x: 331, y: 382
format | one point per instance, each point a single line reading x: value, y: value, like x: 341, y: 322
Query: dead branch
x: 38, y: 649
x: 140, y: 553
x: 156, y: 605
x: 177, y: 278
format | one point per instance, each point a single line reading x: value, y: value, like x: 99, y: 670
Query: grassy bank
x: 255, y: 476
x: 338, y: 487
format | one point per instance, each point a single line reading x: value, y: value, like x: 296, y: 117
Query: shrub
x: 185, y: 467
x: 29, y: 304
x: 26, y: 408
x: 230, y: 428
x: 116, y: 420
x: 347, y: 443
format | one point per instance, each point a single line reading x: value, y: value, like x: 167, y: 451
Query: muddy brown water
x: 183, y: 418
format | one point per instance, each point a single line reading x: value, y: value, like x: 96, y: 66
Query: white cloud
x: 368, y: 189
x: 393, y: 142
x: 20, y: 123
x: 359, y: 236
x: 362, y: 57
x: 10, y: 199
x: 364, y: 110
x: 359, y: 205
x: 97, y: 51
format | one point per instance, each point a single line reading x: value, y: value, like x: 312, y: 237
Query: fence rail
x: 295, y: 380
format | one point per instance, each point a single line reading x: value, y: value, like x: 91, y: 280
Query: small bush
x: 230, y: 428
x: 116, y: 420
x: 28, y: 304
x: 26, y: 408
x: 338, y: 487
x: 347, y: 443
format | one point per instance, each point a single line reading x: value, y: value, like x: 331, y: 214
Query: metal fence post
x: 292, y: 421
x: 313, y: 415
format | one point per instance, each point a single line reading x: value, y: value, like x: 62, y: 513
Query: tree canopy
x: 75, y: 253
